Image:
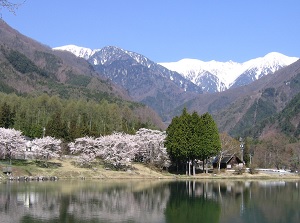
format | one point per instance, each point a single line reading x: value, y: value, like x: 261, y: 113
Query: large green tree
x: 209, y: 139
x: 175, y: 142
x: 192, y: 137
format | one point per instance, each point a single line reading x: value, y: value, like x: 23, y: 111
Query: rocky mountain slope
x: 144, y: 80
x: 27, y: 66
x: 241, y: 108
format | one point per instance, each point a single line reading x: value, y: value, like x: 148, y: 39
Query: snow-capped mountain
x: 142, y: 65
x: 224, y: 75
x: 110, y: 54
x: 78, y: 51
x: 144, y: 80
x: 256, y: 68
x: 102, y: 56
x: 211, y: 76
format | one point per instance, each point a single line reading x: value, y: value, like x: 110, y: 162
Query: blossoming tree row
x: 118, y: 149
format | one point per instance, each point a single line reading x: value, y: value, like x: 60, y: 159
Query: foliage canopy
x: 191, y: 137
x: 67, y: 119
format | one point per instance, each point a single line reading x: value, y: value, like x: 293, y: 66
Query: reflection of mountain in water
x: 150, y: 201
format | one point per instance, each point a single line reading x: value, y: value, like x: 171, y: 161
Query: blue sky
x: 165, y: 30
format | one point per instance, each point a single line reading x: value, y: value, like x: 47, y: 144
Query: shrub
x: 239, y: 170
x: 253, y: 169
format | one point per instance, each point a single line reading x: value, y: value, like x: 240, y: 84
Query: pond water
x: 155, y: 201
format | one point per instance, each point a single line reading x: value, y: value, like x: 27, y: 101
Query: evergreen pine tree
x: 6, y: 116
x: 56, y: 127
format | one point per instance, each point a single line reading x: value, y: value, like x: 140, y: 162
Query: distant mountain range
x: 211, y: 76
x: 242, y: 97
x: 145, y: 81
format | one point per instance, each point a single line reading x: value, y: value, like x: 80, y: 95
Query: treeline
x: 67, y: 119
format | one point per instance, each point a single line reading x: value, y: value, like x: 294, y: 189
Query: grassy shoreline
x: 66, y: 170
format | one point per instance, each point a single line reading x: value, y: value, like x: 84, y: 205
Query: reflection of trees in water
x: 234, y: 201
x: 114, y: 203
x: 154, y: 201
x: 258, y: 201
x: 192, y: 202
x: 121, y: 203
x: 21, y: 199
x: 276, y: 201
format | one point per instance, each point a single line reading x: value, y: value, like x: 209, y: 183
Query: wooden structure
x: 7, y: 170
x: 227, y: 162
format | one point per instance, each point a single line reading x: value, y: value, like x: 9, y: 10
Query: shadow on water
x: 150, y: 201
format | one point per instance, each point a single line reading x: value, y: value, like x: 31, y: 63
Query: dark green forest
x: 67, y: 119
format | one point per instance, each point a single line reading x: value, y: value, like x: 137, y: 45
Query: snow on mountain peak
x: 228, y: 72
x: 193, y: 68
x: 270, y: 63
x: 77, y: 51
x: 222, y: 75
x: 280, y: 58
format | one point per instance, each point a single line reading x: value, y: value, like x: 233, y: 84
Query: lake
x: 155, y: 201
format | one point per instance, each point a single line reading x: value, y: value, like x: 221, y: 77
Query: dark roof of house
x: 226, y: 159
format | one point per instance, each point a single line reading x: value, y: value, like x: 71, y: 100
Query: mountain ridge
x: 211, y: 76
x: 231, y: 74
x: 144, y: 80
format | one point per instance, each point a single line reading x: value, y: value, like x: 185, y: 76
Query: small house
x: 227, y: 162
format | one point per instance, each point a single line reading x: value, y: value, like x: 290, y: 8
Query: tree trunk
x: 186, y: 168
x: 219, y: 163
x: 194, y: 167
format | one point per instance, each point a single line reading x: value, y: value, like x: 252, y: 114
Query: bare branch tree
x: 230, y: 146
x: 10, y: 6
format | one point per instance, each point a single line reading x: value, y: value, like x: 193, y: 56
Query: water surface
x: 155, y: 201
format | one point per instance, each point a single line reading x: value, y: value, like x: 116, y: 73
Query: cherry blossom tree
x: 117, y: 149
x: 120, y: 149
x: 86, y: 150
x: 12, y: 143
x: 151, y: 147
x: 46, y: 148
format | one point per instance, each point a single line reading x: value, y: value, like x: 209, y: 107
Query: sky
x: 165, y: 30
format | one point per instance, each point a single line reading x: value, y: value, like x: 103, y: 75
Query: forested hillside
x: 28, y: 67
x: 240, y: 109
x: 286, y: 122
x: 70, y: 119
